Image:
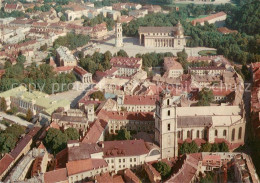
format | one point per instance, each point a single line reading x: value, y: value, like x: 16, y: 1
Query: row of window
x: 122, y: 160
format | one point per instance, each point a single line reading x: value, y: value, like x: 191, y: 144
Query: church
x: 162, y: 37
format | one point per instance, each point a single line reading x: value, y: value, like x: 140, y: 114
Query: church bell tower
x: 166, y: 125
x: 119, y: 35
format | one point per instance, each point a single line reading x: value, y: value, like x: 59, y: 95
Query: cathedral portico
x: 163, y: 37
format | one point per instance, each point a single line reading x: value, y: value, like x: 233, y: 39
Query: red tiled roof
x: 20, y: 146
x: 124, y: 148
x: 140, y: 100
x: 55, y: 176
x: 200, y: 20
x: 125, y: 62
x: 11, y: 6
x: 104, y: 178
x: 94, y: 132
x: 140, y: 116
x: 61, y: 159
x: 221, y: 92
x: 225, y: 30
x: 63, y: 68
x: 75, y: 167
x: 126, y: 19
x: 80, y: 70
x: 5, y: 163
x: 171, y: 63
x: 130, y: 176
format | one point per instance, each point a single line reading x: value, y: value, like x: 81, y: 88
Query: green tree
x: 98, y: 95
x: 3, y: 105
x: 223, y: 147
x: 189, y: 148
x: 209, y: 177
x: 21, y: 59
x: 193, y: 147
x: 29, y: 115
x: 55, y: 140
x: 122, y: 53
x: 7, y: 142
x: 62, y: 18
x: 206, y: 147
x: 72, y: 134
x: 16, y: 130
x: 205, y: 97
x: 184, y: 148
x: 215, y: 147
x: 163, y: 168
x: 123, y: 134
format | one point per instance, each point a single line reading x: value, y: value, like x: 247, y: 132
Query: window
x: 169, y: 127
x: 123, y: 160
x: 225, y: 133
x: 169, y: 112
x: 179, y: 134
x: 108, y: 161
x: 134, y: 159
x: 216, y: 132
x: 198, y: 134
x: 112, y: 161
x: 240, y: 133
x: 130, y: 159
x: 168, y: 101
x: 119, y: 160
x: 188, y: 134
x: 233, y: 134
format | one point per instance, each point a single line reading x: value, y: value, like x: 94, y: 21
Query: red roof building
x: 5, y: 164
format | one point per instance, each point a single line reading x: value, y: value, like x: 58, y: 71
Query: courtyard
x: 132, y: 47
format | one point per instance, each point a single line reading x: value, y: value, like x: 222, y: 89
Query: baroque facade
x: 162, y: 37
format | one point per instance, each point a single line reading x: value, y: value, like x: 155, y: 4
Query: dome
x: 180, y: 30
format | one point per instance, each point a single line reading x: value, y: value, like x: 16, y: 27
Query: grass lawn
x: 207, y: 52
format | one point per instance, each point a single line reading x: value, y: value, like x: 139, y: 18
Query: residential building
x: 13, y: 7
x: 135, y: 103
x: 126, y: 66
x: 173, y: 69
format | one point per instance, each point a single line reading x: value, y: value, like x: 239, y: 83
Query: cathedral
x: 163, y: 37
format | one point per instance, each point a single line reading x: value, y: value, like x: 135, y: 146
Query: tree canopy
x: 98, y: 95
x: 72, y: 133
x: 205, y: 97
x: 72, y: 41
x: 163, y: 168
x: 123, y: 134
x: 40, y: 77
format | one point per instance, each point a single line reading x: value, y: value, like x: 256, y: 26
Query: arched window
x: 188, y: 134
x: 216, y: 133
x: 225, y: 133
x: 240, y: 133
x: 233, y: 134
x: 169, y: 127
x: 198, y: 134
x: 169, y: 112
x: 168, y: 101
